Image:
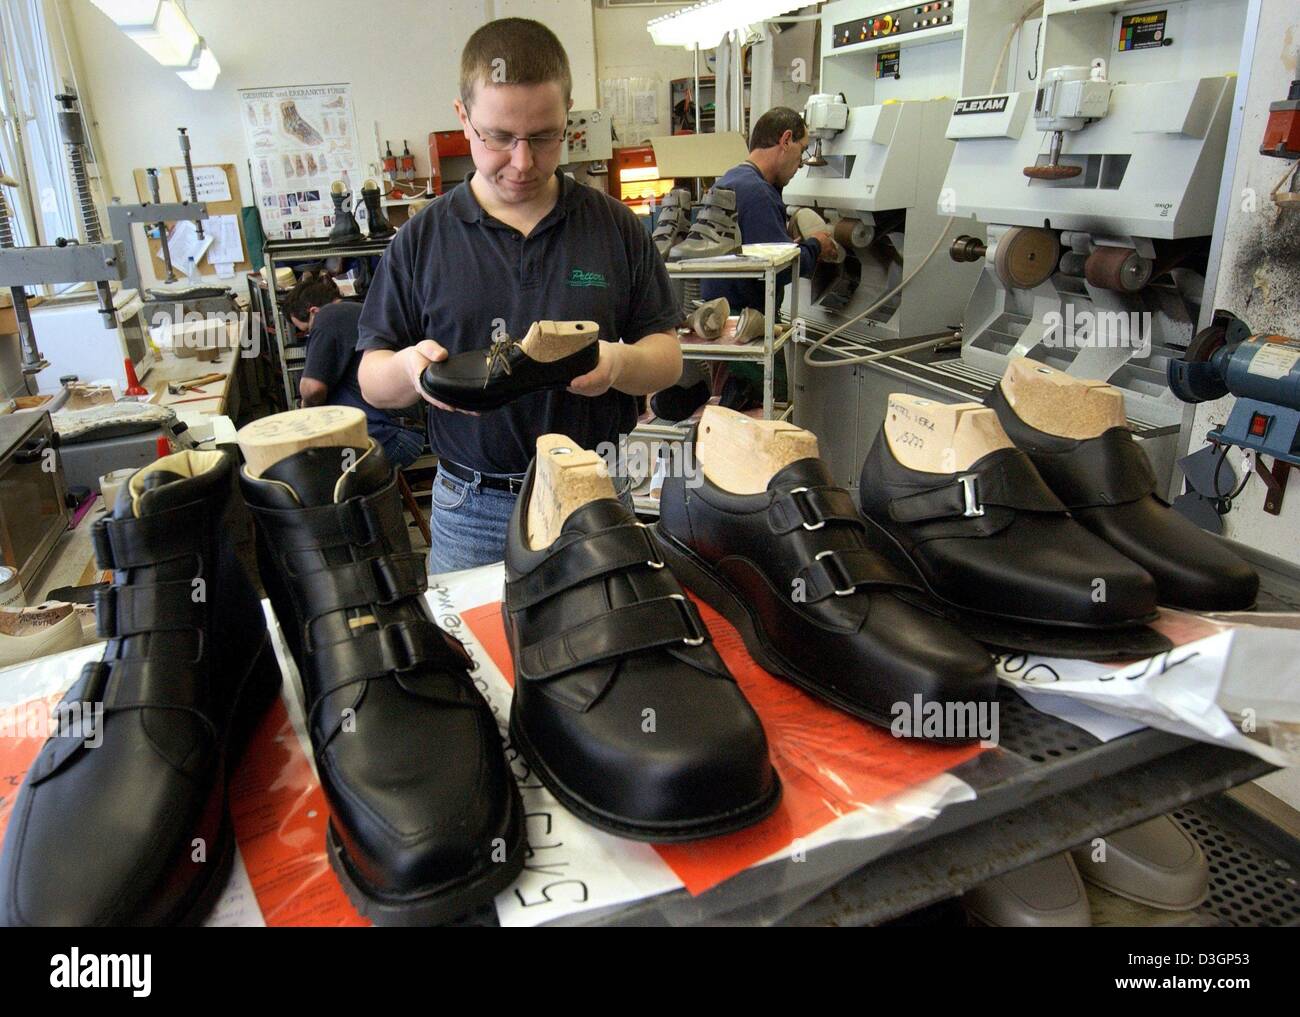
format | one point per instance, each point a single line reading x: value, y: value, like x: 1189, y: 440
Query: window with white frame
x: 42, y: 207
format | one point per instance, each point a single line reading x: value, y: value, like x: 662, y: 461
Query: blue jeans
x: 403, y: 447
x: 468, y: 522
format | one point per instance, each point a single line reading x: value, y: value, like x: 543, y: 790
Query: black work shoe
x: 377, y: 225
x: 123, y: 817
x: 678, y: 402
x: 791, y: 568
x: 426, y: 820
x: 345, y: 229
x: 1108, y: 485
x: 715, y: 231
x: 674, y: 221
x: 622, y: 705
x: 488, y: 379
x: 995, y: 541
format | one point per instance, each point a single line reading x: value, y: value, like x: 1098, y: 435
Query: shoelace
x: 498, y: 354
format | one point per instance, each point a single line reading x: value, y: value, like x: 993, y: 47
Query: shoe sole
x: 718, y: 594
x: 439, y: 907
x: 621, y: 827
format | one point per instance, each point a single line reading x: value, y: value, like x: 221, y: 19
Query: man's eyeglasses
x: 544, y: 143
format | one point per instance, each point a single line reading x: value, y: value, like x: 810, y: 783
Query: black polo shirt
x: 454, y: 274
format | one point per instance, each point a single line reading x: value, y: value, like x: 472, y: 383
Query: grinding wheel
x: 1053, y: 171
x: 1026, y: 256
x: 853, y: 233
x: 1117, y: 268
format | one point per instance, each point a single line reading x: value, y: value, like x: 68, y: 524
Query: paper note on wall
x: 209, y: 181
x: 226, y: 245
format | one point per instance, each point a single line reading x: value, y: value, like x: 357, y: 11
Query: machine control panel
x: 588, y: 137
x: 912, y: 18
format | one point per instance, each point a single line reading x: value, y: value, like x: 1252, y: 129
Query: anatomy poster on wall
x: 301, y: 138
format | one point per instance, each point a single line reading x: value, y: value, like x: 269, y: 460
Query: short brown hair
x: 314, y: 289
x: 514, y: 51
x: 769, y: 128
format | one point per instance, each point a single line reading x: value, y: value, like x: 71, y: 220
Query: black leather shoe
x: 792, y: 570
x: 123, y: 818
x: 622, y: 706
x: 426, y: 820
x: 1108, y: 485
x: 488, y: 379
x: 996, y: 542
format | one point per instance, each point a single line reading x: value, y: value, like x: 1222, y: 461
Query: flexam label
x: 989, y: 104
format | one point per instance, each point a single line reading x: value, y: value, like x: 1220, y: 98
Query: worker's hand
x: 828, y: 250
x: 606, y: 373
x: 415, y: 359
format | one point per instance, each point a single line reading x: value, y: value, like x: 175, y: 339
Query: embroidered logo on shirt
x: 580, y: 278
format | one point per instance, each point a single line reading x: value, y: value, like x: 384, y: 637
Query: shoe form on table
x: 750, y: 325
x: 674, y: 220
x: 426, y: 822
x: 30, y: 632
x: 1076, y: 433
x: 108, y: 823
x: 600, y: 633
x: 957, y: 505
x: 1046, y: 894
x: 715, y: 231
x: 767, y: 539
x: 1156, y: 863
x: 551, y: 355
x: 710, y: 318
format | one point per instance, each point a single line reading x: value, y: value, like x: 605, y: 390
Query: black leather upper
x: 621, y: 701
x: 487, y: 379
x: 999, y: 542
x: 105, y: 834
x: 1108, y: 485
x: 822, y: 600
x: 408, y: 752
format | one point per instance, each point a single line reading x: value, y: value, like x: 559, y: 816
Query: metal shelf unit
x: 278, y: 253
x: 772, y: 344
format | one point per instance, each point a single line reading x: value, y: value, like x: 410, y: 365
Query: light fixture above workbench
x: 161, y: 29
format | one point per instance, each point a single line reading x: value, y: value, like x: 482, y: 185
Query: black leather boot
x: 377, y: 225
x: 345, y: 229
x: 124, y: 821
x: 622, y: 705
x: 426, y: 819
x: 792, y: 570
x: 1108, y: 485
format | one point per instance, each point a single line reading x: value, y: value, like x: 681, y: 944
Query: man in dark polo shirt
x: 329, y: 376
x: 517, y: 242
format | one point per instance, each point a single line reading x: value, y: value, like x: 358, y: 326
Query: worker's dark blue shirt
x: 456, y: 275
x: 760, y: 213
x: 333, y: 359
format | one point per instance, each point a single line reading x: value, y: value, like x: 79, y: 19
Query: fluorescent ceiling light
x: 705, y: 24
x: 128, y: 12
x: 202, y: 74
x: 170, y: 39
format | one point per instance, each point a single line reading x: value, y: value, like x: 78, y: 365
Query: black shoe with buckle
x: 123, y: 817
x: 792, y: 569
x: 488, y: 379
x: 1108, y: 485
x: 426, y: 820
x: 994, y: 541
x: 622, y: 705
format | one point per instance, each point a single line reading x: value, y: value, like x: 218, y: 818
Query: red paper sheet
x: 829, y: 762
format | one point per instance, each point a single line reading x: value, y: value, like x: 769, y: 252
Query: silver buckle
x: 970, y: 495
x: 803, y: 490
x: 688, y: 641
x: 839, y: 593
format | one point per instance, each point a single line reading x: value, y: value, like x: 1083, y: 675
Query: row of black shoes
x: 346, y: 229
x: 124, y: 819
